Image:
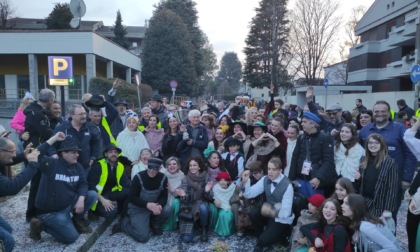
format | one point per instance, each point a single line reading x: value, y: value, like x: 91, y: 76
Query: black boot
x: 204, y: 235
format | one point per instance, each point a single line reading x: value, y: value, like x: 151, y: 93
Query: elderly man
x: 312, y: 167
x: 194, y: 138
x: 146, y: 113
x: 83, y: 133
x: 147, y: 208
x: 107, y: 177
x: 10, y: 187
x: 334, y: 112
x: 63, y: 190
x: 118, y: 124
x: 37, y: 124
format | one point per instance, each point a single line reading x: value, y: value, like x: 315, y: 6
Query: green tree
x: 266, y: 45
x: 187, y: 11
x: 207, y: 80
x: 168, y: 54
x: 230, y: 73
x: 120, y: 32
x: 60, y: 17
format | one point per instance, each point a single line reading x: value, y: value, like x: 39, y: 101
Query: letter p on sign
x: 60, y: 69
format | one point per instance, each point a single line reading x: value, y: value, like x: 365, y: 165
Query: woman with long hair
x: 18, y: 121
x: 175, y: 191
x: 343, y: 187
x: 209, y: 124
x: 329, y: 233
x: 292, y: 135
x: 154, y: 136
x: 131, y: 141
x: 171, y: 138
x: 215, y: 165
x: 251, y: 116
x: 370, y: 234
x: 347, y: 152
x: 217, y: 142
x: 378, y: 178
x: 197, y: 187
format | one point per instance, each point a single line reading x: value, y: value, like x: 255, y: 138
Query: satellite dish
x: 77, y: 8
x: 74, y: 23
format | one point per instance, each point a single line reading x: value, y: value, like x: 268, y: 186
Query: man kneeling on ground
x: 63, y: 190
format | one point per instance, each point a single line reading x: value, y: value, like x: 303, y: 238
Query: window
x: 23, y: 85
x: 2, y: 87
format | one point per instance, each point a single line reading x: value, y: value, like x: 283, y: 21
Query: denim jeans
x: 59, y: 224
x: 6, y: 235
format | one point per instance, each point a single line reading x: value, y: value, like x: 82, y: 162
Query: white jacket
x: 346, y: 166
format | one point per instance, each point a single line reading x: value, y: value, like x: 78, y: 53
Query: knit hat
x: 222, y: 175
x: 28, y: 96
x: 316, y: 200
x: 154, y: 163
x: 311, y: 116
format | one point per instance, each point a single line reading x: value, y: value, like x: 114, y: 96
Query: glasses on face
x: 332, y: 113
x: 81, y: 114
x: 373, y: 143
x: 10, y: 151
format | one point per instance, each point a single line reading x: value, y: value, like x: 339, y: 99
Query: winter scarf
x: 196, y: 182
x: 174, y: 181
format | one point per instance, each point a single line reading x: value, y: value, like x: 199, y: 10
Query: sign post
x: 326, y: 94
x: 173, y: 84
x: 138, y: 87
x: 60, y: 73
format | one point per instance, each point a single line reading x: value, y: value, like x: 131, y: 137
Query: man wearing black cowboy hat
x: 102, y: 123
x: 63, y: 189
x: 118, y: 124
x: 158, y: 109
x: 107, y: 177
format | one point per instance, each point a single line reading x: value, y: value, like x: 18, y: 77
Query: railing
x: 410, y: 16
x: 75, y: 94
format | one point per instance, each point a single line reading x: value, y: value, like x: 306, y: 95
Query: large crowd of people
x: 310, y: 179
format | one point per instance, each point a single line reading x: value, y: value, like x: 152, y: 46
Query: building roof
x: 383, y: 11
x: 96, y: 26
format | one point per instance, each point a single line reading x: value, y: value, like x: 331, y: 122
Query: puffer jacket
x: 37, y: 124
x: 321, y: 151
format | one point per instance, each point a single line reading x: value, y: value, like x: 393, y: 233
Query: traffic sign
x: 415, y: 73
x: 173, y: 84
x: 325, y: 83
x: 60, y: 70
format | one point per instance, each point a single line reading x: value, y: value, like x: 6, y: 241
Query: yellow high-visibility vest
x: 104, y: 178
x: 105, y: 124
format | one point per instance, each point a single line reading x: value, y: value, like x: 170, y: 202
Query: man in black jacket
x: 63, y: 189
x: 10, y: 187
x: 312, y: 167
x: 37, y: 124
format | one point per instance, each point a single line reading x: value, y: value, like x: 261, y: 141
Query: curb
x: 95, y: 235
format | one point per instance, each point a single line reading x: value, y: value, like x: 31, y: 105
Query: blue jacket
x: 393, y: 134
x: 61, y: 183
x: 87, y: 138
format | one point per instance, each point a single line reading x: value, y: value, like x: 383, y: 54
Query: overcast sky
x: 225, y: 22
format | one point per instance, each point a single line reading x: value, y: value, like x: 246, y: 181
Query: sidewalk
x: 13, y: 210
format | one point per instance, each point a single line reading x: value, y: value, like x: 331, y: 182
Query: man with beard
x: 107, y: 177
x: 62, y: 190
x: 54, y: 114
x: 83, y: 133
x: 393, y: 133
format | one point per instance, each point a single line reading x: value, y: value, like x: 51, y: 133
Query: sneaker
x: 116, y: 228
x: 81, y: 226
x: 35, y: 229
